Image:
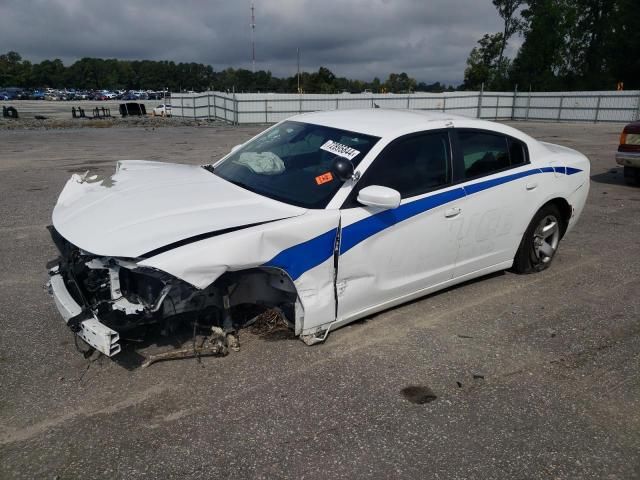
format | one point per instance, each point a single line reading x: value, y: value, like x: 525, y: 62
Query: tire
x: 540, y: 241
x: 632, y: 176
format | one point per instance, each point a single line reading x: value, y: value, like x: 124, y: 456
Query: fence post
x: 444, y: 104
x: 299, y: 103
x: 215, y: 107
x: 266, y: 110
x: 497, y: 106
x: 235, y: 108
x: 560, y: 108
x: 337, y: 105
x: 208, y: 106
x: 526, y: 117
x: 181, y: 106
x: 597, y: 109
x: 193, y: 99
x: 513, y: 104
x: 479, y: 112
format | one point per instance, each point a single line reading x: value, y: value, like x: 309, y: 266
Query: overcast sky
x: 428, y: 39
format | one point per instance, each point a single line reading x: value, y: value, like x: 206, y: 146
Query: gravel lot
x: 535, y: 376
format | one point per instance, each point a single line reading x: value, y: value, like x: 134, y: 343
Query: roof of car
x: 375, y: 121
x: 382, y: 122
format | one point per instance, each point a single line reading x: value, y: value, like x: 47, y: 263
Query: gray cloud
x: 428, y: 39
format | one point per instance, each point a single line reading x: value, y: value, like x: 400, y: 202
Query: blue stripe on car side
x: 359, y: 231
x: 478, y: 187
x: 304, y: 256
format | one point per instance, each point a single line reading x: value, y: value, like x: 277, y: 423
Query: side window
x: 485, y: 153
x: 517, y: 152
x: 412, y: 166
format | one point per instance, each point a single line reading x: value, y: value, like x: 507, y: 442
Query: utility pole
x: 253, y: 41
x: 298, y: 54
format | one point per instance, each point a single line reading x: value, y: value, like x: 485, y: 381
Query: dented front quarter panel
x: 302, y: 247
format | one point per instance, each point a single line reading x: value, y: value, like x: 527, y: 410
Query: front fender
x: 302, y: 246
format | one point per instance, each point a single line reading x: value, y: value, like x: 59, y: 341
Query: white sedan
x: 330, y: 216
x: 162, y: 111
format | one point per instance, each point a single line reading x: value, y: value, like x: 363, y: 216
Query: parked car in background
x: 162, y: 111
x: 329, y: 216
x: 628, y: 154
x: 12, y: 93
x: 156, y: 95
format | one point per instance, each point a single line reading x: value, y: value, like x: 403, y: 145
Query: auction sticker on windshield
x: 340, y: 149
x: 324, y: 178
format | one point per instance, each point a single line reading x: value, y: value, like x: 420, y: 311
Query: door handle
x: 452, y: 212
x: 531, y: 186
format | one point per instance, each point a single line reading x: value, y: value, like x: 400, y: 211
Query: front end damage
x: 101, y: 298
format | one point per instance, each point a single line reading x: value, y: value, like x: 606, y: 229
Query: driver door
x: 386, y: 256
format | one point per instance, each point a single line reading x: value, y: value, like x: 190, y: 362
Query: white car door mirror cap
x: 379, y: 196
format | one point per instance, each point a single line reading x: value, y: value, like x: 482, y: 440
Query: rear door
x: 387, y: 255
x: 501, y: 191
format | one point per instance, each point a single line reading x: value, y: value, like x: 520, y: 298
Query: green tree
x: 48, y: 73
x: 13, y: 71
x: 399, y: 83
x: 484, y: 65
x: 623, y: 44
x: 588, y: 45
x: 508, y: 11
x: 540, y: 61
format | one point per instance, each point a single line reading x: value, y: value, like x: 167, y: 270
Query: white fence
x: 252, y: 108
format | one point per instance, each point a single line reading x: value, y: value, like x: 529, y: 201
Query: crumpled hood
x: 148, y: 205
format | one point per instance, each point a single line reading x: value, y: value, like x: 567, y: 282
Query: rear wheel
x: 632, y: 175
x: 540, y: 241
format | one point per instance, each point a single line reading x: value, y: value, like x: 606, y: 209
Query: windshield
x: 292, y: 162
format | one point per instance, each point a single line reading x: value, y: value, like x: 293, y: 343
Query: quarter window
x: 517, y: 152
x: 412, y: 166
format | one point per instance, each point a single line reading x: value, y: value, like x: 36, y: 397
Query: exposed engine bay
x: 125, y: 296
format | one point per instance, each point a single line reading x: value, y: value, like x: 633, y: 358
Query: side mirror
x: 343, y: 168
x: 378, y: 196
x: 233, y: 149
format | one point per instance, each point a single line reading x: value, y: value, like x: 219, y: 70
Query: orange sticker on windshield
x: 324, y: 178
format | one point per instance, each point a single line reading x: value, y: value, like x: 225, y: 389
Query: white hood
x: 148, y: 205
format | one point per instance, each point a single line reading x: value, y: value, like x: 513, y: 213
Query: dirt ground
x: 513, y: 376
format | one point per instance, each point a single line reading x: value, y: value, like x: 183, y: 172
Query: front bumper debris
x: 96, y: 334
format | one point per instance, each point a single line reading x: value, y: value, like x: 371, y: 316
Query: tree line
x: 98, y: 74
x: 567, y: 45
